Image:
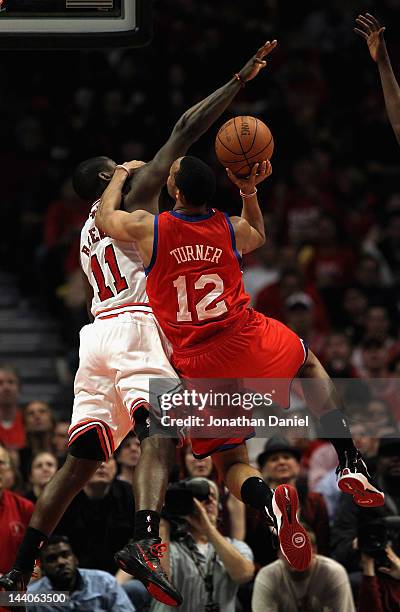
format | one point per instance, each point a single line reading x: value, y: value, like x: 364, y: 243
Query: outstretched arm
x: 249, y: 228
x: 372, y: 31
x: 149, y: 180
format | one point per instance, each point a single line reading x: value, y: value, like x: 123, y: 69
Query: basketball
x: 242, y: 142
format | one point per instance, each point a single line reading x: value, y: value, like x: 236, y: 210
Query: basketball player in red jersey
x: 369, y: 28
x: 194, y: 283
x: 117, y: 358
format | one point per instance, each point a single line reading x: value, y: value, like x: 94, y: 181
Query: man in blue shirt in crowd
x: 91, y: 590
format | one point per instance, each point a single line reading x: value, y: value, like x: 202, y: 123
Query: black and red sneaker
x: 141, y: 559
x: 15, y: 580
x: 293, y: 538
x: 354, y: 479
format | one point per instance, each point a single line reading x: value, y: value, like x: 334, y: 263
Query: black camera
x: 374, y: 536
x: 180, y: 495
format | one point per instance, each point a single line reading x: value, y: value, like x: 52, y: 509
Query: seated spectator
x: 264, y: 271
x: 233, y: 511
x: 369, y: 275
x: 271, y: 299
x: 351, y: 313
x: 12, y: 478
x: 12, y: 431
x: 207, y: 567
x: 350, y: 517
x: 332, y: 260
x: 100, y: 519
x: 381, y: 384
x: 15, y: 514
x: 127, y: 457
x: 44, y: 466
x: 337, y: 356
x: 324, y: 586
x: 379, y: 417
x: 39, y: 427
x: 280, y: 464
x: 89, y: 589
x: 299, y: 316
x: 377, y: 326
x: 60, y: 441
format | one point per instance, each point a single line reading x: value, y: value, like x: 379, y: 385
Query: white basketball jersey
x: 114, y: 268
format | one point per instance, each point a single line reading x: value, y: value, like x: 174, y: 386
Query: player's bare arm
x: 149, y: 180
x: 249, y: 228
x: 372, y: 32
x: 137, y: 226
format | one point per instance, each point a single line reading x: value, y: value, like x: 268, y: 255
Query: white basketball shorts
x: 117, y: 357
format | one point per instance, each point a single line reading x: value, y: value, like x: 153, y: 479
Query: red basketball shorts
x: 263, y: 348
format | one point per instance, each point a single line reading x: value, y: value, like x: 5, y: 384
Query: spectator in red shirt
x: 15, y: 514
x: 12, y: 432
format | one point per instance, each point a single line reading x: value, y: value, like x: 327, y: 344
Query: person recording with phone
x: 206, y: 566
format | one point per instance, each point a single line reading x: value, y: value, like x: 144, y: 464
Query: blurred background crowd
x: 330, y: 268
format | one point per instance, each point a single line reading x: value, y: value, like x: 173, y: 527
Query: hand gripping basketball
x: 247, y: 185
x: 257, y: 62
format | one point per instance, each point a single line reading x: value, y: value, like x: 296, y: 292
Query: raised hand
x: 257, y: 62
x: 247, y: 185
x: 372, y: 32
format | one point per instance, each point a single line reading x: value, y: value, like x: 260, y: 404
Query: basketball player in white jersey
x: 119, y: 352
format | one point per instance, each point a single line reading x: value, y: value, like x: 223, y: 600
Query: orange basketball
x: 242, y: 142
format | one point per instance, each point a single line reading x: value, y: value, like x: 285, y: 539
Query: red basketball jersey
x: 194, y: 280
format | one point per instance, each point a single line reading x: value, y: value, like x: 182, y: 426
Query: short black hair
x: 195, y: 180
x: 86, y: 181
x: 55, y: 538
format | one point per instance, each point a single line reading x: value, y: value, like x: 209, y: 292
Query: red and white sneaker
x: 293, y: 538
x: 354, y: 479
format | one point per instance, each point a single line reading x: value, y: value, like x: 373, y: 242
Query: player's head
x: 92, y: 177
x: 191, y: 181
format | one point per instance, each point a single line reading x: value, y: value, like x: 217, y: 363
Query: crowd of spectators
x: 330, y: 270
x: 355, y: 550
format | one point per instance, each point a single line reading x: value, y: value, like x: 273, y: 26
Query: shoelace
x: 158, y: 550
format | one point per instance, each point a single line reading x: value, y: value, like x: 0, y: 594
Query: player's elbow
x: 261, y: 240
x: 100, y: 222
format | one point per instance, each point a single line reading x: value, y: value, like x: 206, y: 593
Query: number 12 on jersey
x: 205, y: 279
x: 105, y: 292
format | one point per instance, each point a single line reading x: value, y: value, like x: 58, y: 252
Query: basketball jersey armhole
x: 233, y: 239
x: 155, y: 247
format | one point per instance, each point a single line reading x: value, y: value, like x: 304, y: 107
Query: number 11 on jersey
x: 120, y: 284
